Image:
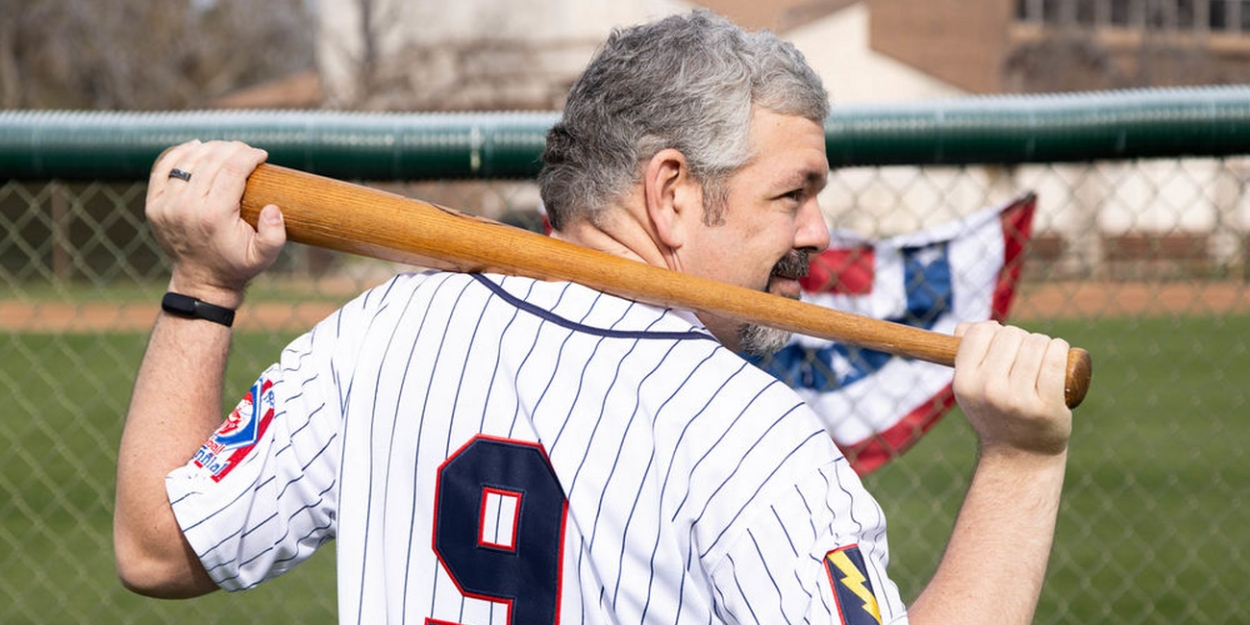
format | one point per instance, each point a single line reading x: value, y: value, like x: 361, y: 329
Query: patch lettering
x: 237, y: 436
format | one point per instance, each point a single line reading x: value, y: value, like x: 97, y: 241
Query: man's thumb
x: 270, y: 232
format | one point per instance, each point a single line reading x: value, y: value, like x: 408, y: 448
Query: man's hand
x: 214, y: 253
x: 1010, y: 385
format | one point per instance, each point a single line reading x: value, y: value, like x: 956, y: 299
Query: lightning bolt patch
x: 857, y: 605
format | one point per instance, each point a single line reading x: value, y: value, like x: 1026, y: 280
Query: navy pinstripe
x: 685, y: 471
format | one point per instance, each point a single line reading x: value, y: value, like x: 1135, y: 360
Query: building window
x: 1218, y: 16
x: 1120, y: 12
x: 1229, y: 15
x: 1183, y: 16
x: 1052, y: 11
x: 1087, y: 11
x: 1167, y: 15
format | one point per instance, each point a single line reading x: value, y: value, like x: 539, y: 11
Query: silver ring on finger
x: 180, y: 174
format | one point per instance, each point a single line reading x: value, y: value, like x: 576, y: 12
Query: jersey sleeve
x: 261, y: 494
x: 815, y: 553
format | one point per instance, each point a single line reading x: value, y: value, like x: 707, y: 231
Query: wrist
x: 1008, y: 457
x: 215, y: 295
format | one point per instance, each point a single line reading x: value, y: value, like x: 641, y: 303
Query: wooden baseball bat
x: 350, y: 218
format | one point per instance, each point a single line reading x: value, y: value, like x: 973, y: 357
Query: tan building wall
x: 961, y: 42
x: 779, y: 16
x: 836, y: 46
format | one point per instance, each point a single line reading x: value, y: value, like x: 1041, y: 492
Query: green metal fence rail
x: 1082, y: 127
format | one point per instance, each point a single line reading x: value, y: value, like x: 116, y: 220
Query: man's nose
x: 813, y: 233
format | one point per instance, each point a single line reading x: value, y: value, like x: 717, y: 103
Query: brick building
x: 1038, y: 46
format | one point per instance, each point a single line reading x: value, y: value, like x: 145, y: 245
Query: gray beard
x: 757, y: 340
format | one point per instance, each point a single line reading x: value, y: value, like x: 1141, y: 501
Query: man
x: 484, y: 447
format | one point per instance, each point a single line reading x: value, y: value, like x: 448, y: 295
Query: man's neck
x: 620, y: 235
x: 623, y: 236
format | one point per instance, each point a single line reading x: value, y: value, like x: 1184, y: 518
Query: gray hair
x: 687, y: 82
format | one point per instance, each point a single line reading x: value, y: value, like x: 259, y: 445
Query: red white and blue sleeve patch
x: 857, y: 603
x: 238, y: 435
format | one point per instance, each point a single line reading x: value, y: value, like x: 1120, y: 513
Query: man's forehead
x: 815, y: 177
x: 810, y: 172
x: 771, y: 131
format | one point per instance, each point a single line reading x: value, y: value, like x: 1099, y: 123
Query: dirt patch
x: 1092, y: 300
x: 54, y: 317
x: 1035, y: 301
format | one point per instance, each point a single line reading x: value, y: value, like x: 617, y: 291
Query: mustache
x: 793, y: 265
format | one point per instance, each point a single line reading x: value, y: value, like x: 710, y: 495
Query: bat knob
x: 1076, y: 383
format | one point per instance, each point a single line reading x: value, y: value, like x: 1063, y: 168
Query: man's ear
x: 672, y: 197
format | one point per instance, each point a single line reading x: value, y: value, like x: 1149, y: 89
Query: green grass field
x: 1152, y: 528
x: 1152, y: 525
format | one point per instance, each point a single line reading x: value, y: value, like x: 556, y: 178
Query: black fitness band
x: 191, y: 308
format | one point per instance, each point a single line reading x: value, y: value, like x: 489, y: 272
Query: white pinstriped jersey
x: 503, y: 450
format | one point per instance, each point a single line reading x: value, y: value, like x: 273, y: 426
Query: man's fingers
x: 1026, y: 368
x: 159, y: 182
x: 177, y: 193
x: 232, y: 176
x: 974, y: 342
x: 223, y: 173
x: 168, y: 159
x: 1003, y: 349
x: 1053, y: 378
x: 270, y: 234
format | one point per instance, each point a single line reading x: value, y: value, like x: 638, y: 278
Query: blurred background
x: 1141, y: 260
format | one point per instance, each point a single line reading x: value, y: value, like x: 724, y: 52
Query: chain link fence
x: 1143, y: 262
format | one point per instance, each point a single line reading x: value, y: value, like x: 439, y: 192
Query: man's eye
x: 796, y: 195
